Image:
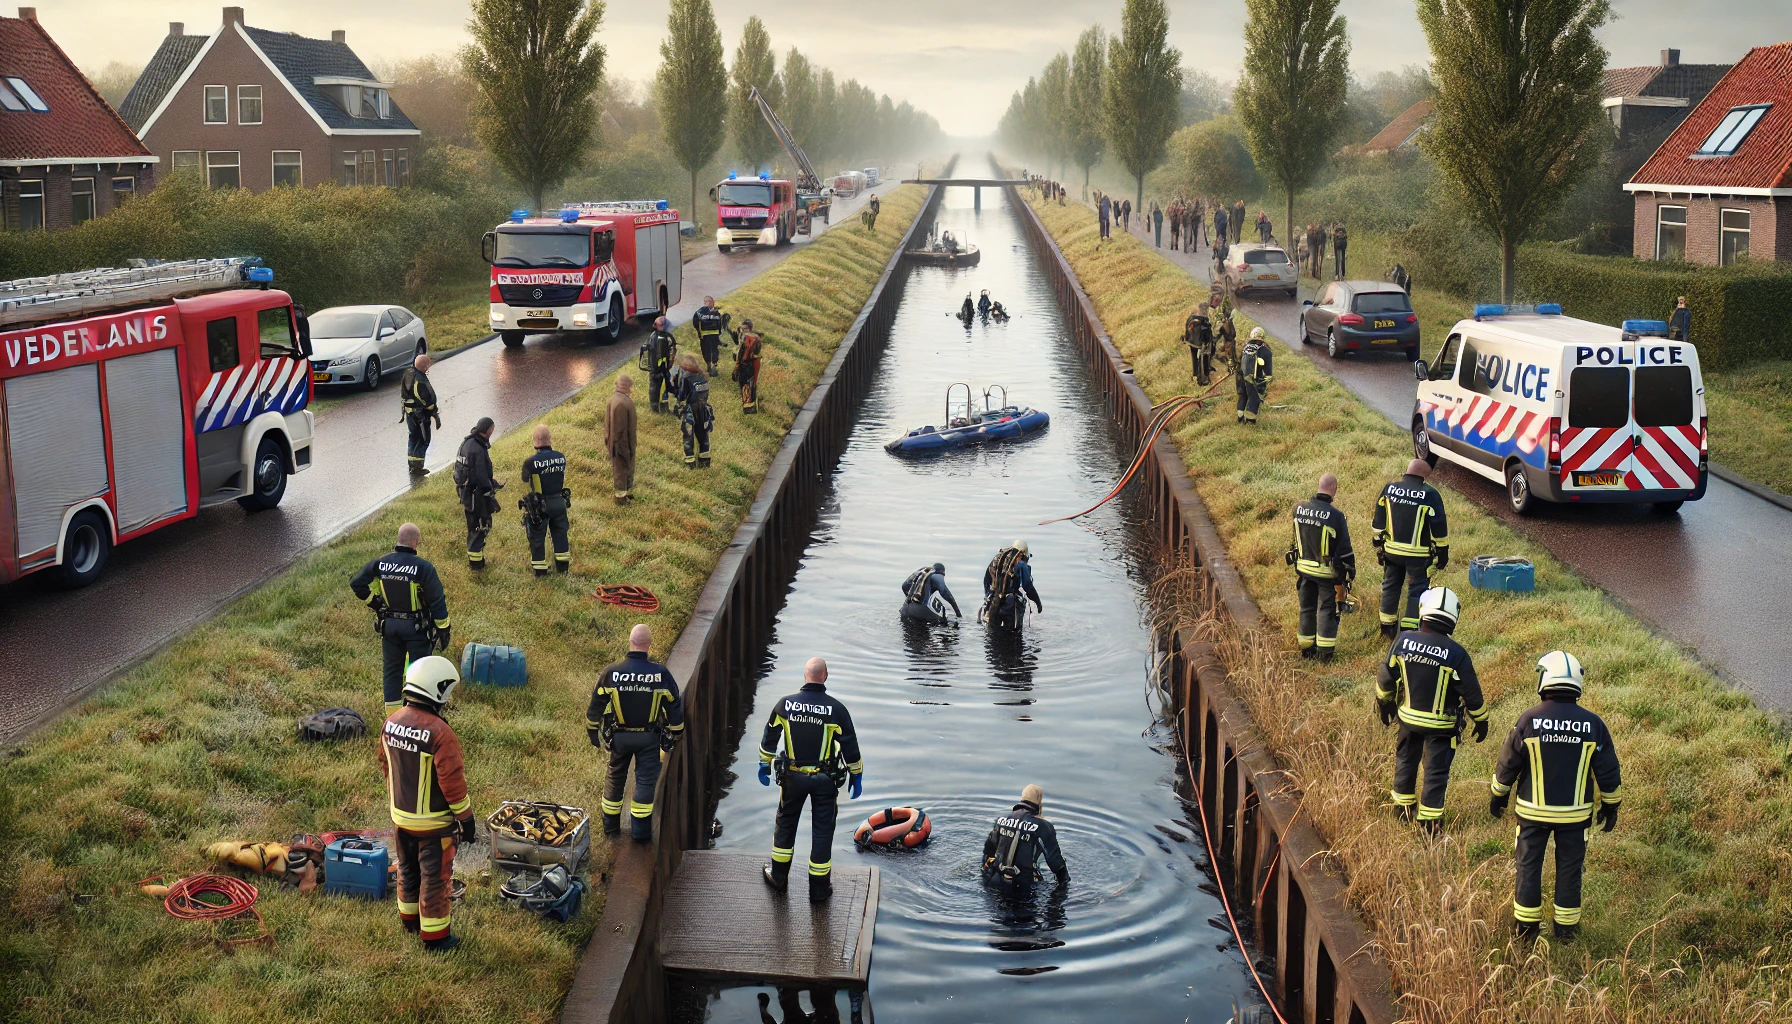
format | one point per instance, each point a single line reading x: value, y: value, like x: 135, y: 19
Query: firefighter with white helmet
x: 1255, y: 370
x: 1428, y: 682
x: 426, y: 780
x: 1560, y: 760
x: 1007, y: 586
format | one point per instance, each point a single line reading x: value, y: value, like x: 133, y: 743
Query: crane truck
x: 766, y: 210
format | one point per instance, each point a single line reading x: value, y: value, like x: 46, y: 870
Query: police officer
x: 1197, y: 334
x: 925, y: 596
x: 1324, y: 567
x: 746, y: 366
x: 406, y: 594
x: 662, y: 352
x: 1008, y: 577
x: 821, y: 753
x: 478, y: 490
x: 1254, y: 373
x: 417, y: 403
x: 1411, y: 531
x: 695, y: 417
x: 710, y: 323
x: 1428, y: 682
x: 1560, y: 758
x: 634, y: 714
x: 1017, y: 844
x: 545, y: 504
x: 432, y: 812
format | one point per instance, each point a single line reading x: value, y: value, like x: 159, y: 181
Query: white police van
x: 1565, y: 410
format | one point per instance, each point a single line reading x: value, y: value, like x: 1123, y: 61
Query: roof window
x: 22, y: 97
x: 1732, y: 130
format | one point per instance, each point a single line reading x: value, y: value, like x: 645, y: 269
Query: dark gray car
x: 1361, y: 314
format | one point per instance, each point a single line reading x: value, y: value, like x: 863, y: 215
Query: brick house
x: 65, y: 155
x: 1645, y: 103
x: 1720, y: 188
x: 253, y: 108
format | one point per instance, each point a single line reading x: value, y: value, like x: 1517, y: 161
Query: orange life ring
x: 897, y: 828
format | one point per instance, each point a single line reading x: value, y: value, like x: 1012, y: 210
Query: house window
x: 248, y: 104
x: 370, y: 174
x: 217, y: 104
x: 25, y: 94
x: 346, y: 171
x: 81, y: 192
x: 386, y: 160
x: 223, y: 169
x: 1730, y: 132
x: 1670, y: 232
x: 1734, y: 244
x: 404, y: 167
x: 9, y: 100
x: 289, y: 168
x: 31, y: 204
x: 123, y: 189
x: 185, y: 160
x: 370, y: 102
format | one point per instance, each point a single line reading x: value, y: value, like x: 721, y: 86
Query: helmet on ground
x: 1559, y: 670
x: 431, y: 679
x: 1020, y: 546
x: 1439, y: 607
x: 1256, y: 334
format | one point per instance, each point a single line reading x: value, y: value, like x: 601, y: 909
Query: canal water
x: 957, y: 720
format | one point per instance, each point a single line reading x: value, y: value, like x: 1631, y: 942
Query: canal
x: 957, y: 720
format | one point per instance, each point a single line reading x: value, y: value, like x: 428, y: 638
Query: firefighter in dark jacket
x: 1019, y: 842
x: 1560, y: 759
x: 662, y: 352
x: 695, y: 416
x: 710, y: 322
x: 406, y: 594
x: 1428, y: 682
x: 634, y: 714
x: 545, y: 503
x: 1197, y: 334
x: 1324, y: 567
x: 417, y: 403
x: 477, y: 489
x: 925, y: 596
x: 431, y: 809
x: 821, y: 754
x: 1007, y: 586
x: 1254, y: 372
x: 746, y: 366
x: 1411, y: 533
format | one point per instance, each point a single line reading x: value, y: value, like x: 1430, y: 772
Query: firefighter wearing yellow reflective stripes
x: 1560, y: 760
x: 426, y: 782
x: 1411, y: 532
x: 821, y: 753
x: 1428, y: 682
x: 634, y: 714
x: 405, y: 593
x: 545, y: 504
x: 1324, y: 567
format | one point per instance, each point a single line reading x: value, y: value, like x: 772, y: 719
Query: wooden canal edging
x: 716, y: 659
x: 1327, y: 969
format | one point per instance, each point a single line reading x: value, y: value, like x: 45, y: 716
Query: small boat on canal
x: 945, y: 251
x: 964, y: 427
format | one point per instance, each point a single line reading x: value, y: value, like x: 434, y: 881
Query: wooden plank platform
x: 720, y: 918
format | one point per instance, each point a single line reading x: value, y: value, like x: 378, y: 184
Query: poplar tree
x: 1518, y: 94
x: 692, y: 87
x: 800, y: 95
x: 1290, y: 98
x: 536, y: 67
x: 1088, y: 66
x: 1143, y: 90
x: 754, y: 65
x: 1054, y: 102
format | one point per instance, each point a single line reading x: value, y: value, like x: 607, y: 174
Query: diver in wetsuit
x: 1018, y: 842
x: 983, y: 303
x: 1007, y: 586
x: 996, y: 312
x: 925, y: 596
x: 968, y: 311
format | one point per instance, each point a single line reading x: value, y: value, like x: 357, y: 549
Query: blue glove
x: 765, y: 775
x: 858, y: 786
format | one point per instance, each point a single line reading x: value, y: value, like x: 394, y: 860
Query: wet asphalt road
x: 1704, y: 577
x: 58, y: 647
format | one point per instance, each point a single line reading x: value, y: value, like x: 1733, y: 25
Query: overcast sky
x: 958, y: 60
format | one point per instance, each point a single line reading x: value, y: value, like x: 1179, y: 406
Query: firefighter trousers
x: 695, y: 425
x: 1571, y: 857
x: 1415, y: 575
x: 711, y: 344
x: 425, y: 869
x: 397, y: 654
x: 1202, y: 358
x: 824, y: 806
x: 417, y: 447
x: 659, y: 387
x: 479, y: 526
x: 1318, y: 612
x: 749, y: 386
x: 1438, y: 750
x: 642, y: 750
x: 1250, y: 398
x: 552, y: 522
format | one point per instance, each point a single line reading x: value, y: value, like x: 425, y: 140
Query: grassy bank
x: 198, y: 744
x: 1684, y: 914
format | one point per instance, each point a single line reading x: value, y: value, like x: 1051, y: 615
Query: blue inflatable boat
x: 965, y: 427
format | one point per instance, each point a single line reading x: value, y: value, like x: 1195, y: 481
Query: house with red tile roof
x: 1645, y: 103
x: 1719, y: 189
x: 1403, y: 131
x: 66, y: 156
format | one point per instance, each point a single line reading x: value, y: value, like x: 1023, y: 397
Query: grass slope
x: 1686, y: 903
x: 199, y: 743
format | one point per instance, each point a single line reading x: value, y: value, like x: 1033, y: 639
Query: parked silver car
x: 359, y: 345
x: 1256, y: 267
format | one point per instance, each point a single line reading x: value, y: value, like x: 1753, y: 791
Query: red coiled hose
x: 627, y: 595
x: 185, y: 898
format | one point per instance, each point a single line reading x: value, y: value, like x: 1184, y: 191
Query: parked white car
x: 361, y: 344
x: 1255, y: 267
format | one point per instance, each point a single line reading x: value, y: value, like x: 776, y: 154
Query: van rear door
x: 1665, y: 441
x: 1597, y: 437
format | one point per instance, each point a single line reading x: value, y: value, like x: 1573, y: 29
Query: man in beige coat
x: 619, y: 438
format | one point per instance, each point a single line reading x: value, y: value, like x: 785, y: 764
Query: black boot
x: 441, y: 945
x: 541, y: 574
x: 612, y: 824
x: 1527, y: 931
x: 777, y: 875
x: 1389, y: 630
x: 1308, y: 653
x: 1405, y: 813
x: 641, y: 829
x: 1432, y: 828
x: 703, y: 461
x: 562, y: 566
x: 1566, y: 932
x: 821, y: 888
x: 1326, y: 654
x: 411, y: 924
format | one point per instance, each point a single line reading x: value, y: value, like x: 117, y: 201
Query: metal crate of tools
x: 515, y: 852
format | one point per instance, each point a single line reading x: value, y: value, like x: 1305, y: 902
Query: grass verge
x: 1685, y: 910
x: 199, y: 743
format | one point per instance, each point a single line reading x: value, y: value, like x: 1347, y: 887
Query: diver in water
x: 983, y: 303
x: 1017, y: 844
x: 925, y: 596
x: 996, y: 312
x: 968, y: 311
x: 1007, y: 586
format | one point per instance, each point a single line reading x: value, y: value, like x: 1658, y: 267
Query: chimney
x: 1670, y: 58
x: 339, y: 36
x: 233, y: 15
x: 176, y: 29
x: 28, y: 13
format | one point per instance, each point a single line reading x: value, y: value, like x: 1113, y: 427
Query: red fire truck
x: 132, y: 398
x: 587, y: 268
x: 755, y: 211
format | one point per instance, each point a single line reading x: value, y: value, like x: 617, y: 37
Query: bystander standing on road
x: 1339, y: 243
x: 1680, y: 321
x: 1238, y: 221
x: 1321, y: 238
x: 619, y: 439
x: 1105, y: 211
x: 1157, y: 224
x: 1300, y: 247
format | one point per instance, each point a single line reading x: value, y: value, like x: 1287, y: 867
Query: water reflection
x: 1027, y: 921
x: 1013, y: 658
x: 932, y: 651
x: 825, y: 1001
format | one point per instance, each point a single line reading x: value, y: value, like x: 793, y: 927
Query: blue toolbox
x: 1491, y: 572
x: 494, y: 665
x: 356, y: 867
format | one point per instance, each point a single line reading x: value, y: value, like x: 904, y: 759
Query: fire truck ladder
x: 807, y: 179
x: 65, y: 296
x: 619, y: 206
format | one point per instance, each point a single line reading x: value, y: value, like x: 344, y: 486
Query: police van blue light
x: 1645, y: 328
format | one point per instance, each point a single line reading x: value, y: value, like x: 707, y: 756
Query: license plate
x: 320, y: 377
x: 541, y: 312
x: 1269, y: 277
x: 1602, y: 478
x: 1379, y: 324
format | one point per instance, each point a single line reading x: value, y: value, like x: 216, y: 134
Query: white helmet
x: 1440, y: 607
x: 1256, y: 334
x: 431, y: 679
x: 1559, y: 670
x: 1020, y: 546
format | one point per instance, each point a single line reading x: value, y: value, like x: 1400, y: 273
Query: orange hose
x: 627, y: 595
x: 1161, y: 416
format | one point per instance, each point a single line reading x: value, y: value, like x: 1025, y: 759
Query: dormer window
x: 360, y: 99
